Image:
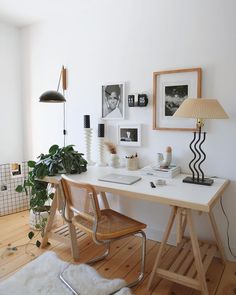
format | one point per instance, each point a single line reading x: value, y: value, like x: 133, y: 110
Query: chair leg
x: 64, y: 281
x: 101, y: 257
x: 143, y: 255
x: 96, y: 259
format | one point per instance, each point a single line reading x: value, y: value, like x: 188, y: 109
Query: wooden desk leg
x: 50, y: 220
x: 178, y: 226
x: 163, y: 242
x: 104, y: 200
x: 217, y: 237
x: 197, y: 254
x: 181, y: 224
x: 71, y: 227
x: 73, y: 238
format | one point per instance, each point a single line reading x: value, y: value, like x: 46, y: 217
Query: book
x: 154, y: 170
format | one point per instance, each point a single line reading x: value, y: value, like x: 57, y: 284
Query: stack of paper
x: 153, y: 170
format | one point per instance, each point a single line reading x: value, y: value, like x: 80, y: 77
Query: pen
x: 152, y: 184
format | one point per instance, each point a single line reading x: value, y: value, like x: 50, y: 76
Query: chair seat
x: 111, y: 225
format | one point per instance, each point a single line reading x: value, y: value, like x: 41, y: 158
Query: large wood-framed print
x: 170, y: 89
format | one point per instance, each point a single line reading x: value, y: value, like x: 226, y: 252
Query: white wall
x: 10, y: 95
x: 101, y: 41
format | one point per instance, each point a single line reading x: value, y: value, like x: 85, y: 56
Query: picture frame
x: 129, y: 135
x: 16, y: 170
x: 113, y: 101
x: 170, y: 89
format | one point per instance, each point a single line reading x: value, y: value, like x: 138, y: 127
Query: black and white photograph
x: 170, y: 89
x: 129, y: 135
x: 174, y: 96
x: 113, y: 101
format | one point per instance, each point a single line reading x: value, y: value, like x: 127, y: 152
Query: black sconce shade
x: 52, y: 97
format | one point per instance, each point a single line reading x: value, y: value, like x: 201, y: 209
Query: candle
x: 101, y: 130
x: 86, y: 121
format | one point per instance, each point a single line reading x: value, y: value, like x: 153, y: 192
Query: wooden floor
x: 122, y: 262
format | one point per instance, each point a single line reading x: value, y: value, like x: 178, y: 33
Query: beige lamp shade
x: 201, y: 108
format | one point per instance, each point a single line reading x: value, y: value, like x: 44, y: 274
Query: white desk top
x: 177, y: 193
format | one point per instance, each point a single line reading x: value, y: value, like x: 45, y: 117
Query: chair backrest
x: 81, y: 198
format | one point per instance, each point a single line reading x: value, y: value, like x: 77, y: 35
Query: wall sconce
x: 53, y: 96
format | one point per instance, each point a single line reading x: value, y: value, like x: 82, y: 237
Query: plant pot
x: 36, y: 217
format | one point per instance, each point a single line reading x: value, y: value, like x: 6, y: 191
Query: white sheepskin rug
x: 41, y: 276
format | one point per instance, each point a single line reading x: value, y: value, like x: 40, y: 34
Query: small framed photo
x: 113, y: 101
x: 16, y: 170
x: 129, y: 135
x: 170, y: 89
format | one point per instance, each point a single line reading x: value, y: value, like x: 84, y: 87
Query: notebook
x: 119, y: 178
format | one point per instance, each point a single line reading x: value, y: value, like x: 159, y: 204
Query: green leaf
x: 30, y: 235
x: 19, y: 189
x: 38, y: 243
x: 53, y: 149
x: 41, y: 171
x: 31, y: 164
x: 68, y: 148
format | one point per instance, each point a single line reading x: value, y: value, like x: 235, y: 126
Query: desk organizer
x: 132, y: 163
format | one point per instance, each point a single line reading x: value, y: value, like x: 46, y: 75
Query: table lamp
x: 53, y: 96
x: 200, y: 109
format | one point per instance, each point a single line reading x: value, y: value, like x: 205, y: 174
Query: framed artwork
x: 170, y: 89
x: 113, y: 101
x: 16, y: 170
x: 129, y: 135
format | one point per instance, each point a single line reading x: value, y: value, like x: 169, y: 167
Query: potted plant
x: 57, y: 161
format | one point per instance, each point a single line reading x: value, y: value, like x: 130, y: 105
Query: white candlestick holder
x: 88, y: 137
x: 101, y: 161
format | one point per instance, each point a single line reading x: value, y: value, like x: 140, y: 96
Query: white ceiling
x: 25, y: 12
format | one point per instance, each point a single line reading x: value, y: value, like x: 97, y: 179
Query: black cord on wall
x: 227, y: 231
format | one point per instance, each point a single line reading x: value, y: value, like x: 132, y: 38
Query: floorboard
x: 123, y: 261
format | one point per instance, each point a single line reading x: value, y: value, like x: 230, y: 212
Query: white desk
x: 181, y: 196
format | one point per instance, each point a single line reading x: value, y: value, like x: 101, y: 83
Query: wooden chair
x: 103, y: 225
